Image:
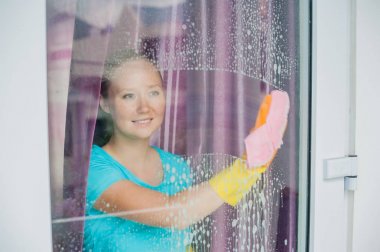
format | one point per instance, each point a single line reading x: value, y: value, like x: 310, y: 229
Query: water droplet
x: 234, y: 223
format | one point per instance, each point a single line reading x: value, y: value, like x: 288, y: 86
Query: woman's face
x: 136, y: 100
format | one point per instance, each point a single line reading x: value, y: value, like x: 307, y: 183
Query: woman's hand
x: 262, y: 144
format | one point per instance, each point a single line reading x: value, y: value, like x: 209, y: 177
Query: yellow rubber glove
x: 232, y: 183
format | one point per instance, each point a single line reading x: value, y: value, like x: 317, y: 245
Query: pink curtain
x: 218, y: 59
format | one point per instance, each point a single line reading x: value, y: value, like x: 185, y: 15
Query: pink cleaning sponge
x: 263, y: 143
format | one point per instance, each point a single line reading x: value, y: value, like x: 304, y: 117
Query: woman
x: 149, y: 189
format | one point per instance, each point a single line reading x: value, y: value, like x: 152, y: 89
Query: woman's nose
x: 143, y: 105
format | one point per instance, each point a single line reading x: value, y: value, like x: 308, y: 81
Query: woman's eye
x: 128, y: 96
x: 155, y: 93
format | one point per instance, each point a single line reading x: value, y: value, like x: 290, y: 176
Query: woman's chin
x: 144, y: 134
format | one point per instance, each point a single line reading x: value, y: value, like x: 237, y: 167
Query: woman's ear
x: 104, y: 104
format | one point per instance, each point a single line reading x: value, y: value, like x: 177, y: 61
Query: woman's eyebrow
x: 126, y: 90
x: 154, y: 85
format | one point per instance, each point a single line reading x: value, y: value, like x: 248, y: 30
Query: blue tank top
x: 110, y: 233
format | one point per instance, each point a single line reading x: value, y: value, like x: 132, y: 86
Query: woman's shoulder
x: 98, y: 156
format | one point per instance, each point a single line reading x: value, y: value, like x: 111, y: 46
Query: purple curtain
x: 218, y: 60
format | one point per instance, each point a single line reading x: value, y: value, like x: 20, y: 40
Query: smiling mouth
x: 143, y: 121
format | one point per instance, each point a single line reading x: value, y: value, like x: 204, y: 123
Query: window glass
x: 217, y: 61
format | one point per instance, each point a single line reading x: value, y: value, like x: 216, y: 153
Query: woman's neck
x: 128, y: 149
x: 138, y: 157
x: 132, y: 153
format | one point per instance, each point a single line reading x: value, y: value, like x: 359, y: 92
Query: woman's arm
x: 157, y: 209
x: 128, y: 200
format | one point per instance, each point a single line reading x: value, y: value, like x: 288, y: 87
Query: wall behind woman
x: 367, y: 204
x: 337, y: 63
x: 24, y: 174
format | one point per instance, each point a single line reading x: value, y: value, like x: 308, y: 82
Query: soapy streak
x: 118, y: 214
